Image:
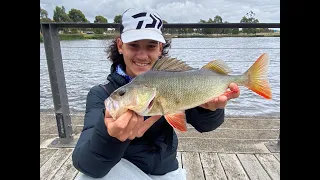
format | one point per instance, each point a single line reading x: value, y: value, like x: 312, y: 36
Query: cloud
x: 174, y: 11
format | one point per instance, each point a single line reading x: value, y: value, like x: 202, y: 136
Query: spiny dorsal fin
x: 218, y: 66
x: 170, y: 64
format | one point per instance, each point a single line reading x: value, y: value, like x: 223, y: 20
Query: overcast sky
x: 174, y: 11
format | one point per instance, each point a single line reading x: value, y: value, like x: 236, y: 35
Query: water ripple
x: 91, y: 68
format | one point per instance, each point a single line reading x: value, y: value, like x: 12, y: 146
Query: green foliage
x: 249, y: 18
x: 45, y: 20
x: 112, y: 36
x: 100, y: 19
x: 217, y: 19
x: 44, y: 15
x: 60, y: 15
x: 235, y: 31
x: 117, y: 19
x: 75, y: 15
x: 227, y: 30
x: 71, y: 36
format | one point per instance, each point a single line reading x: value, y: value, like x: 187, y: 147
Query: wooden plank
x: 45, y: 155
x: 222, y: 145
x: 253, y: 167
x: 277, y: 155
x: 212, y: 167
x: 270, y: 164
x: 232, y: 167
x: 54, y: 163
x: 66, y: 172
x: 53, y: 130
x: 78, y: 175
x: 179, y: 159
x: 192, y: 165
x: 44, y: 138
x: 226, y: 133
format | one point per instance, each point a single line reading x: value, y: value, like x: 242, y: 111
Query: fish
x: 171, y: 86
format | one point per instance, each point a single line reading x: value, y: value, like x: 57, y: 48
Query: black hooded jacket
x: 96, y: 152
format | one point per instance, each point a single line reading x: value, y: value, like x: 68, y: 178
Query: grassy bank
x: 226, y: 35
x: 111, y: 36
x: 65, y: 37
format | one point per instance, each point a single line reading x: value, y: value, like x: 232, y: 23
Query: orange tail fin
x: 257, y: 77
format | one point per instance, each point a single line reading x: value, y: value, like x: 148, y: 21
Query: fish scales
x: 181, y: 90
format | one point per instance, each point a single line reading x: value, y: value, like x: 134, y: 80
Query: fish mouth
x: 111, y: 106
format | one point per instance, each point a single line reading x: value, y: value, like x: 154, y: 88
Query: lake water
x: 85, y: 65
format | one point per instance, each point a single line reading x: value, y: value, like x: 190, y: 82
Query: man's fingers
x: 228, y: 94
x: 234, y: 87
x: 147, y: 124
x: 130, y: 127
x: 222, y: 101
x: 235, y: 91
x: 138, y: 125
x: 108, y: 120
x: 122, y: 122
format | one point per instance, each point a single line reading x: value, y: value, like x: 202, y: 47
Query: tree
x: 249, y: 18
x: 227, y: 30
x: 206, y: 30
x: 44, y: 15
x: 117, y: 19
x: 99, y: 19
x: 217, y: 19
x: 76, y: 15
x: 167, y: 30
x: 59, y: 15
x: 235, y: 31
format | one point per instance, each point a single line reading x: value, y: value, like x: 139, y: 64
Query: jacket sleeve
x: 204, y: 120
x: 96, y: 152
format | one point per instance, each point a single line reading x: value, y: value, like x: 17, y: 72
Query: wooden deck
x: 241, y: 148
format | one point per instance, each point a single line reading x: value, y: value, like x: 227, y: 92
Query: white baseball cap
x: 141, y: 24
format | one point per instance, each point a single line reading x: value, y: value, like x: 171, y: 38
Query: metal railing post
x: 57, y: 81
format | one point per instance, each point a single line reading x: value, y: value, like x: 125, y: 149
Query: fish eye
x: 121, y: 92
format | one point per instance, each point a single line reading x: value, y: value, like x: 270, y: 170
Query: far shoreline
x: 65, y: 37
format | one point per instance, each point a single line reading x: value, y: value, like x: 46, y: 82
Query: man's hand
x: 128, y: 126
x: 221, y: 101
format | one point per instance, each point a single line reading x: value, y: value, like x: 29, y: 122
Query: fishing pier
x: 241, y: 148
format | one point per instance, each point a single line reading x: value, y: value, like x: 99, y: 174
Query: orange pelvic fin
x: 177, y: 120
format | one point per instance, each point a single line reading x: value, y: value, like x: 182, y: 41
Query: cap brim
x: 135, y: 35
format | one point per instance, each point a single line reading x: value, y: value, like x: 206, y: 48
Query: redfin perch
x: 172, y: 86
